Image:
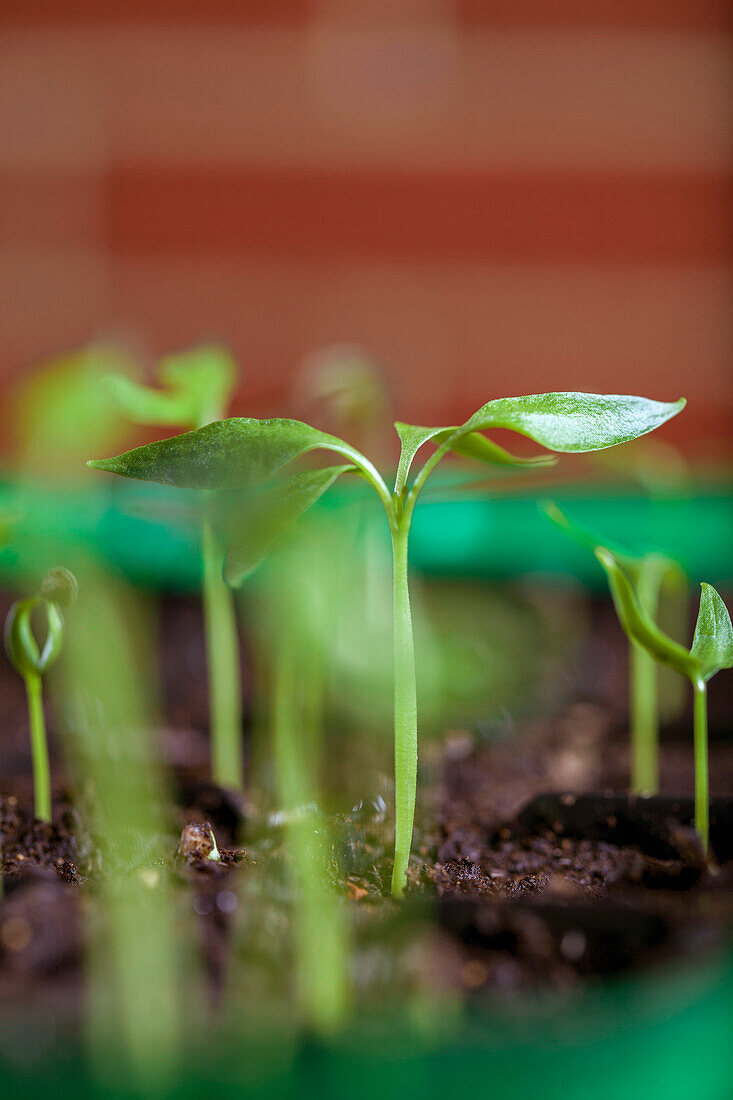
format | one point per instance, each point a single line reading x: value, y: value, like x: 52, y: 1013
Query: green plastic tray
x: 150, y: 534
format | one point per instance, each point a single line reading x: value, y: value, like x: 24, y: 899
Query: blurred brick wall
x: 493, y: 196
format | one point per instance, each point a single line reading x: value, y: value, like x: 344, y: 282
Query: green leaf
x: 474, y: 446
x: 230, y: 454
x: 207, y: 374
x: 647, y: 571
x: 712, y: 645
x: 580, y: 533
x: 412, y: 438
x: 477, y: 446
x: 197, y: 383
x: 575, y: 422
x: 147, y: 405
x: 638, y: 624
x: 567, y: 422
x: 651, y: 562
x: 251, y: 526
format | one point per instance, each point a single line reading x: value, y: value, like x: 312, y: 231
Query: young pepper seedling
x: 58, y: 590
x: 648, y: 572
x: 240, y: 452
x: 711, y: 651
x: 196, y: 387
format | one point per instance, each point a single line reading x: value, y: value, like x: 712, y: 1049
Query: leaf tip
x: 552, y: 511
x: 605, y: 557
x: 108, y: 465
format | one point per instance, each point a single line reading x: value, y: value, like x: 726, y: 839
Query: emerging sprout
x: 196, y: 389
x: 198, y: 842
x: 242, y: 452
x: 648, y: 572
x: 711, y: 651
x: 31, y: 661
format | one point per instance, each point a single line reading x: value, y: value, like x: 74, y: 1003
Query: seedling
x: 711, y: 651
x: 196, y: 389
x: 57, y: 591
x: 648, y: 572
x: 241, y: 452
x: 198, y: 842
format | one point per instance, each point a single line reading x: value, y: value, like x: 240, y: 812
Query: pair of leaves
x: 712, y: 644
x: 565, y: 422
x: 196, y: 385
x: 242, y: 451
x: 471, y: 445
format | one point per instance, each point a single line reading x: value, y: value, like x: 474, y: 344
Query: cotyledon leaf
x: 638, y: 624
x: 565, y: 422
x: 575, y: 422
x: 712, y: 645
x: 249, y: 530
x: 474, y: 445
x: 228, y: 454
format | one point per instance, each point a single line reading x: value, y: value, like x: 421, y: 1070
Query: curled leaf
x: 473, y: 445
x: 712, y: 645
x: 21, y: 646
x: 638, y: 623
x: 197, y: 385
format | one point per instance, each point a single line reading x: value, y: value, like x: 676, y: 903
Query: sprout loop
x: 30, y: 660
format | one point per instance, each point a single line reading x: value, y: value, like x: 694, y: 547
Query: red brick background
x: 493, y: 197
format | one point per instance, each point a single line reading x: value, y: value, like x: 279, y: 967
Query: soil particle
x: 41, y: 844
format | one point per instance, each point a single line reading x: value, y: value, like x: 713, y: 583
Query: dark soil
x: 514, y: 888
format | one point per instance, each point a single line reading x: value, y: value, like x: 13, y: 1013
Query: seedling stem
x: 405, y: 706
x: 644, y: 721
x: 31, y: 660
x: 39, y: 747
x: 700, y: 736
x: 222, y: 648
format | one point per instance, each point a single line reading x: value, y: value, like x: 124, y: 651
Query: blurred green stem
x: 644, y: 721
x: 318, y: 927
x: 644, y: 688
x: 39, y: 747
x: 222, y: 659
x: 700, y: 726
x: 405, y: 706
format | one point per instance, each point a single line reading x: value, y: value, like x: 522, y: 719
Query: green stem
x: 39, y: 747
x: 222, y: 658
x: 318, y: 929
x: 700, y: 726
x: 405, y: 708
x: 644, y: 721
